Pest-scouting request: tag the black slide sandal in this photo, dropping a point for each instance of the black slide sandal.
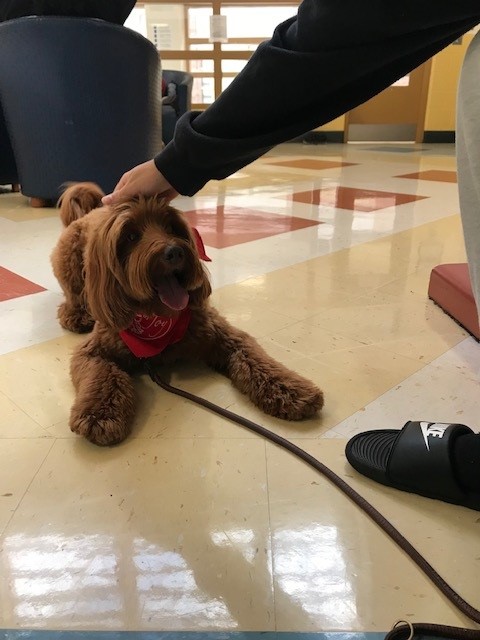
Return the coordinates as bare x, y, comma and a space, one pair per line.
416, 459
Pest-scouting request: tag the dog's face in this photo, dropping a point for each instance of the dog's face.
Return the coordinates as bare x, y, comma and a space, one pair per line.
142, 258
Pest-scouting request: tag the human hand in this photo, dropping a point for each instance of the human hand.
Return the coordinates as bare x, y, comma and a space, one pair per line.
144, 179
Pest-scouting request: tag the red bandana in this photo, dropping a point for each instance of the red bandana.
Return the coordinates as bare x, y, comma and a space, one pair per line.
200, 245
148, 336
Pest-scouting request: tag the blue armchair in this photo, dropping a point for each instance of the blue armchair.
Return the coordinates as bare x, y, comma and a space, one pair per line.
81, 99
183, 102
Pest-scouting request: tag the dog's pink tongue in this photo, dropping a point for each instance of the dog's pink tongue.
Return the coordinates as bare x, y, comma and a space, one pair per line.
172, 294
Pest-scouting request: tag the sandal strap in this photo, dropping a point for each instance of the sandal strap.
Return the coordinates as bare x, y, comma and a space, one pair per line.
421, 458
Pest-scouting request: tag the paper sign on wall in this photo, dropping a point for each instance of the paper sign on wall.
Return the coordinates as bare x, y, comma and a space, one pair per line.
162, 36
218, 29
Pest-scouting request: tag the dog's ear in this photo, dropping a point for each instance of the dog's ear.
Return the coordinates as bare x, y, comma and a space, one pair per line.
199, 296
77, 200
203, 290
107, 301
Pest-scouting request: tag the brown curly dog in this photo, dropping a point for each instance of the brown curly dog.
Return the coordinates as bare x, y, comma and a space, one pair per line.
133, 273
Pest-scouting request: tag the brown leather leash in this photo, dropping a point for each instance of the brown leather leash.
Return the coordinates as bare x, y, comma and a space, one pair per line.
402, 630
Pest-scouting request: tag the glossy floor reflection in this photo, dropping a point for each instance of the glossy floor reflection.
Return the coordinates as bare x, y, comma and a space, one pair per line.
354, 199
194, 524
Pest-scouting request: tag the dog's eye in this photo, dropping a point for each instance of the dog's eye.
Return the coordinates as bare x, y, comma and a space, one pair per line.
133, 236
168, 228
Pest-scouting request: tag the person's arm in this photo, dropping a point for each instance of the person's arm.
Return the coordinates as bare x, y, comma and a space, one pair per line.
330, 58
115, 11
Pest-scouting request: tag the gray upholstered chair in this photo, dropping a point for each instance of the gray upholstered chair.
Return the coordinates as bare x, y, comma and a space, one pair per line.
183, 101
82, 101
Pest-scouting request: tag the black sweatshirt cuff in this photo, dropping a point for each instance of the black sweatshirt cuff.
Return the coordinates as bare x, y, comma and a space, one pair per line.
177, 161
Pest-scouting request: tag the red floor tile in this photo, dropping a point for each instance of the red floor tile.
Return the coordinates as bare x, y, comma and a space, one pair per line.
313, 164
228, 226
354, 199
435, 175
14, 286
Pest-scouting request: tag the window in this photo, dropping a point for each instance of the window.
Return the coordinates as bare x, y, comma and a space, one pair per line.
181, 33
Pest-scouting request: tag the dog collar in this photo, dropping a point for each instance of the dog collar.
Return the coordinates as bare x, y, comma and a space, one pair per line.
148, 336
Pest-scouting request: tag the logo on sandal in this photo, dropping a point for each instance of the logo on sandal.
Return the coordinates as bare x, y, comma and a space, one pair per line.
433, 429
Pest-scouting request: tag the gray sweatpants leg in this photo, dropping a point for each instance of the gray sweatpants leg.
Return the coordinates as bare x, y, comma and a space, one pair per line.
468, 159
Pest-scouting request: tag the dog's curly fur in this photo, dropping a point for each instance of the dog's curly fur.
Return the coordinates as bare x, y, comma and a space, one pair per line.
107, 261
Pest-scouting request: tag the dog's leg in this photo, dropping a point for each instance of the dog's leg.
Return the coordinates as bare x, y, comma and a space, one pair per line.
271, 386
105, 403
73, 315
67, 262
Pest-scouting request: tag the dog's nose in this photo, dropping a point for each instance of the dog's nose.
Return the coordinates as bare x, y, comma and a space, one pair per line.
173, 255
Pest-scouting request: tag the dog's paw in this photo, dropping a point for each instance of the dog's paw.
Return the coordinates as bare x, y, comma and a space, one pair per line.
100, 429
295, 400
76, 319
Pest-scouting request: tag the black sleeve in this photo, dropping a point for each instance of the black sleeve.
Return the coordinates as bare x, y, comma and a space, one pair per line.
115, 11
331, 57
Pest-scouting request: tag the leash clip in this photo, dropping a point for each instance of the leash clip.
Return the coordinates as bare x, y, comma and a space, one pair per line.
408, 624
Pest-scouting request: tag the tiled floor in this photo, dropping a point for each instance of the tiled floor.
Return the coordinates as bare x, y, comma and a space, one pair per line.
434, 174
194, 524
353, 198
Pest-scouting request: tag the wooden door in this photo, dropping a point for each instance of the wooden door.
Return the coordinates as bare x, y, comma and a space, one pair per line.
396, 114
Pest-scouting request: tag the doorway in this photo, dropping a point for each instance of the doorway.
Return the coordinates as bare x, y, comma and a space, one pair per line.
397, 114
